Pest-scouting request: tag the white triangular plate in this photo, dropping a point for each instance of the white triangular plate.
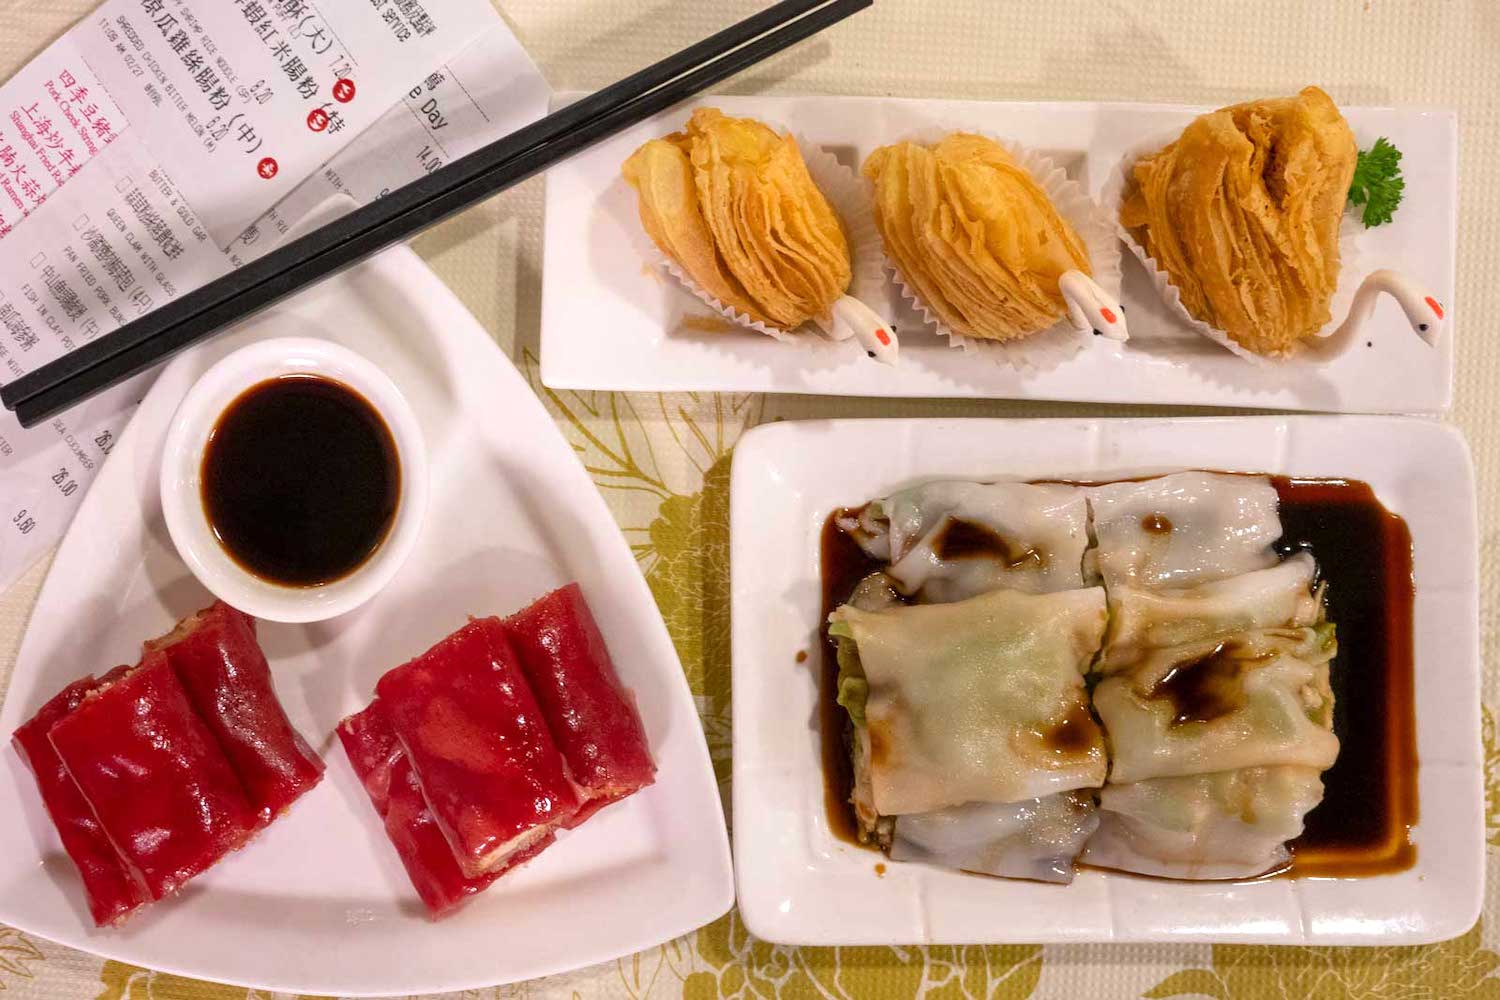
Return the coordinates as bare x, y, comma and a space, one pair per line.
319, 902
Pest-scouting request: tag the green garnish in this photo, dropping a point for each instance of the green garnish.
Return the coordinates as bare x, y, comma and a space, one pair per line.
853, 689
853, 693
1377, 183
1327, 635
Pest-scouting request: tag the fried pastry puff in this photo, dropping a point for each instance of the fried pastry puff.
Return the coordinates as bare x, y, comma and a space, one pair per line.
732, 203
974, 235
1242, 213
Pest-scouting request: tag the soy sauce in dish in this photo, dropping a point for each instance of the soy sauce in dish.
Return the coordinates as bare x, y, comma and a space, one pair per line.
844, 564
300, 480
960, 539
1363, 825
1364, 555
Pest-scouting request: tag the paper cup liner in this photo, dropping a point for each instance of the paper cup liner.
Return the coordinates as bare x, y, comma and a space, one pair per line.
1351, 266
1059, 342
846, 193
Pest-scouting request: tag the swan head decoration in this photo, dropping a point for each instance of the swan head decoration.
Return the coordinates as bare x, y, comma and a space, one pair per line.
1427, 315
1090, 307
849, 317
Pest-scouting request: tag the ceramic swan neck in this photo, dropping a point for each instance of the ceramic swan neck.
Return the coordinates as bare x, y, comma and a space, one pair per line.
1090, 307
1423, 311
849, 317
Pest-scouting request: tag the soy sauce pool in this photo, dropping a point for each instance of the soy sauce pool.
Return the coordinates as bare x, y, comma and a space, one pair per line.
1363, 825
843, 564
300, 480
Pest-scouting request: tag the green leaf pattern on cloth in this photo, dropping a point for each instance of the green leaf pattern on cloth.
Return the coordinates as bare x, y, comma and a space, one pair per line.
1448, 971
18, 956
119, 981
743, 967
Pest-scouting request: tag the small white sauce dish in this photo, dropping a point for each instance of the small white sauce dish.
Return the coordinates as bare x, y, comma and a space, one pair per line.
181, 479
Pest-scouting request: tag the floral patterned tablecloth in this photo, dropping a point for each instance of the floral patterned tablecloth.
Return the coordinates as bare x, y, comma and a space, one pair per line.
662, 461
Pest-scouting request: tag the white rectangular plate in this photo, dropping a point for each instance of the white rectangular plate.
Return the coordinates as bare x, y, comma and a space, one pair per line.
800, 885
319, 902
612, 321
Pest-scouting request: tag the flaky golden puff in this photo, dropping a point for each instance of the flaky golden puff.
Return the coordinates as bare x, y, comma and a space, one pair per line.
974, 235
732, 203
1242, 212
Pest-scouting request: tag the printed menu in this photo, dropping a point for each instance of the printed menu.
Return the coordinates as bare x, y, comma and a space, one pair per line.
98, 224
56, 117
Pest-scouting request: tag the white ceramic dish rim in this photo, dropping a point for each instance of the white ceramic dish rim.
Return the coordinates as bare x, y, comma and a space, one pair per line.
792, 874
181, 478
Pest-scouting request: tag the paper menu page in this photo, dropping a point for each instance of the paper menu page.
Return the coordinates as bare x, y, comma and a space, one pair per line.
246, 98
490, 89
118, 242
55, 116
487, 91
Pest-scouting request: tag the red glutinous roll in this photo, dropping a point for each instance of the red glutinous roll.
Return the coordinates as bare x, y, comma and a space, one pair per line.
591, 716
383, 769
220, 664
482, 753
157, 781
115, 890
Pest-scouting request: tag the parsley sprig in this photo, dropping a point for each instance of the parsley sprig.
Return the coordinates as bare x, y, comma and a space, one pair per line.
1377, 184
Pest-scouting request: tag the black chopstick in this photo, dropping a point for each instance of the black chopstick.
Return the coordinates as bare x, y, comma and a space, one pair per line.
155, 337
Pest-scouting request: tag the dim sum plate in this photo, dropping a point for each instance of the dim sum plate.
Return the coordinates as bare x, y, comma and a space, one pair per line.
319, 903
799, 884
612, 320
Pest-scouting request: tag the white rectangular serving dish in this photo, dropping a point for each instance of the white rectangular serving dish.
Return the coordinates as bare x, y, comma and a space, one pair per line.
800, 885
611, 320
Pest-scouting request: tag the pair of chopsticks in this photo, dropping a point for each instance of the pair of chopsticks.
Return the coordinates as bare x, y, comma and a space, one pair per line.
408, 210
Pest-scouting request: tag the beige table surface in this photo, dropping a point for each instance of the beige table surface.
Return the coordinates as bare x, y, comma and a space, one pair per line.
674, 502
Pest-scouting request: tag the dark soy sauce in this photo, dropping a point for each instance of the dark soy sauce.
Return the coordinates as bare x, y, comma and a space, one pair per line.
1206, 688
1370, 794
300, 480
1074, 735
1157, 524
960, 539
844, 564
1364, 555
